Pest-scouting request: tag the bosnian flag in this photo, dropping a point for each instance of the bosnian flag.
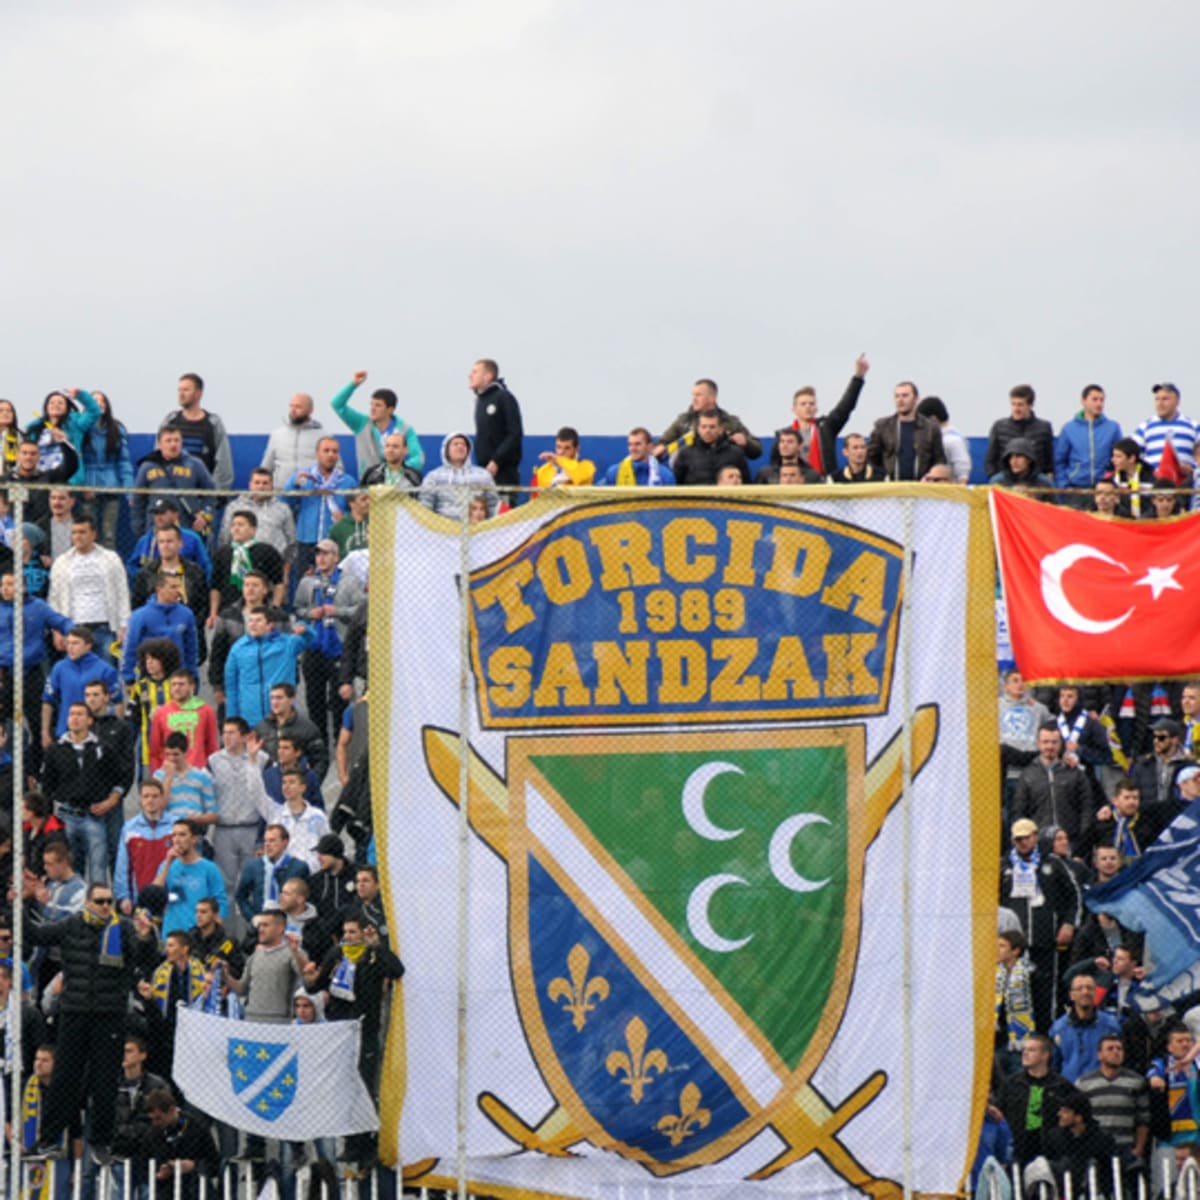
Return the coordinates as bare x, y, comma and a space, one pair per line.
294, 1082
1094, 600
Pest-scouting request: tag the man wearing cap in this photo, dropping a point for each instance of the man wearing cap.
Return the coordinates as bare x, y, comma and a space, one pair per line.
326, 599
165, 511
1042, 892
331, 889
1155, 773
1167, 424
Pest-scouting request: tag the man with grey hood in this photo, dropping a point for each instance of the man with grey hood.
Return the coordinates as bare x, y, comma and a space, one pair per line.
449, 489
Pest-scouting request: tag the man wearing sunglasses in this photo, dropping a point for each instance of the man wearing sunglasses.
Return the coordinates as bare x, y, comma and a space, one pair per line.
1155, 773
101, 952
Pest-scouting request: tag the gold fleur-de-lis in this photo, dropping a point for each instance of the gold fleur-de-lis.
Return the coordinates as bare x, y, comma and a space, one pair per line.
690, 1118
580, 994
637, 1064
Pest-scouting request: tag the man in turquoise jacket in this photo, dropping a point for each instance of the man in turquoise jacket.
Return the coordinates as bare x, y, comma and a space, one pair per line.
258, 660
371, 428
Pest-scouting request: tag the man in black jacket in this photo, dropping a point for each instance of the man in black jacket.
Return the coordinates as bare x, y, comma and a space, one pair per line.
83, 781
1020, 424
354, 974
132, 1121
115, 736
175, 1137
1049, 792
701, 461
100, 953
906, 445
1042, 892
818, 435
1029, 1098
498, 429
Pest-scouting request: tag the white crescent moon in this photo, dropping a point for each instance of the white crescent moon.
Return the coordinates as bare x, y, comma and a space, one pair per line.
697, 914
1054, 567
779, 855
693, 801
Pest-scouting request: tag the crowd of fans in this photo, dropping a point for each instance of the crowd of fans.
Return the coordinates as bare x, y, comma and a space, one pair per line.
197, 822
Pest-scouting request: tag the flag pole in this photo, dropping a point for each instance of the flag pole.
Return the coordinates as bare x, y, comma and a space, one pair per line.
462, 1111
906, 908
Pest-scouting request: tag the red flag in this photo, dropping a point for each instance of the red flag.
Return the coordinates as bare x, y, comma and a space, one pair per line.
1093, 600
1169, 466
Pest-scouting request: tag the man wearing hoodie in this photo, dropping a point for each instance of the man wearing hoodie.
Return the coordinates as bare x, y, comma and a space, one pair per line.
259, 659
1083, 450
293, 443
1021, 423
498, 428
370, 428
162, 617
1021, 469
449, 488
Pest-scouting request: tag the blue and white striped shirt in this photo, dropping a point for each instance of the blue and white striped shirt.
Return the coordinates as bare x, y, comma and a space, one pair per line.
1152, 435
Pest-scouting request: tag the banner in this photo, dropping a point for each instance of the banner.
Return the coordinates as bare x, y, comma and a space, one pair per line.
1090, 600
1158, 894
275, 1080
717, 937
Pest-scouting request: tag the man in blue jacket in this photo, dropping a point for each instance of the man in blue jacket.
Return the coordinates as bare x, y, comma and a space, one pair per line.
69, 676
163, 617
38, 617
318, 512
259, 659
1076, 1034
1083, 448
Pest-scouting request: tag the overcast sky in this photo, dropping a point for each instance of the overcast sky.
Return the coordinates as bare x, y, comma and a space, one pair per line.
609, 198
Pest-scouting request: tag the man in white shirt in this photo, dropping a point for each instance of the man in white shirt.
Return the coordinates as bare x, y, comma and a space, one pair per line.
88, 584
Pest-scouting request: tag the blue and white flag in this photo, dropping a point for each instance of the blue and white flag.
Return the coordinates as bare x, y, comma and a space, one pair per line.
294, 1082
1158, 894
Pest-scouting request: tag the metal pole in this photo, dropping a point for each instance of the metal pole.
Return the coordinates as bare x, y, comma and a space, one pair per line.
77, 1176
226, 1190
177, 1191
1068, 1187
1118, 1182
127, 1180
1016, 1173
462, 1104
153, 1169
906, 905
1093, 1181
18, 496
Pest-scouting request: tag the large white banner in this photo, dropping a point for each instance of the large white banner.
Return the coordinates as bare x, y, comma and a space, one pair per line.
720, 941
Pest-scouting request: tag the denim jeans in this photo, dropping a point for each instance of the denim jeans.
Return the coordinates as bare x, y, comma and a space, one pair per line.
88, 839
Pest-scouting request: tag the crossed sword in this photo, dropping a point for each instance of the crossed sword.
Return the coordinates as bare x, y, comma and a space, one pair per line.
807, 1123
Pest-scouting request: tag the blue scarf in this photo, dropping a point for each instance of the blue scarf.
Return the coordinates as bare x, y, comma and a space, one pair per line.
1124, 840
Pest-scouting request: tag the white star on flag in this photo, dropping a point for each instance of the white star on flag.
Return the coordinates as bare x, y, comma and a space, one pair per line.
1159, 580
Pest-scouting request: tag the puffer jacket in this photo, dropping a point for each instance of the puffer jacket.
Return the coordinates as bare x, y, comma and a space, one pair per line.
90, 986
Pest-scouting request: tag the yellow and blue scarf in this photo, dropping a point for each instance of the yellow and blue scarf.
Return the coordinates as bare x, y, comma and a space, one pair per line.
160, 985
111, 951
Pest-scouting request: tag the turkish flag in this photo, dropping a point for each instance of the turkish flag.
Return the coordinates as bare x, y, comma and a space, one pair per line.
1096, 600
1169, 466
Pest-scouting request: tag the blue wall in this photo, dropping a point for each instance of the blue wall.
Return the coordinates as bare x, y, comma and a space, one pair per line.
248, 450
